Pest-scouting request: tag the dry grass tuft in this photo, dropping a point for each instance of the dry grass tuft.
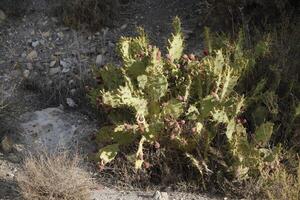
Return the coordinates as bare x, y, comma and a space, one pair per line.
282, 184
93, 13
285, 187
57, 177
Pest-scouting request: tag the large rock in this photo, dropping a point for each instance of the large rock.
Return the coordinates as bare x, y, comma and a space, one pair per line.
52, 129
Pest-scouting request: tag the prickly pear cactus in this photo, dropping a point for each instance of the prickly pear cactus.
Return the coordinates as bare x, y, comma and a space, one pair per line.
176, 101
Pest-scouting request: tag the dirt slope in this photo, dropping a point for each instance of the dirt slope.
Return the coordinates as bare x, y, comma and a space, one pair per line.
42, 62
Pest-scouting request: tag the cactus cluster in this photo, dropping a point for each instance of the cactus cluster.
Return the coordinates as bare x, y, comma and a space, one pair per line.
178, 101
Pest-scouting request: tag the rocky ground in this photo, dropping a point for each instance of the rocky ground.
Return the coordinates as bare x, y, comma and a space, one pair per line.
44, 67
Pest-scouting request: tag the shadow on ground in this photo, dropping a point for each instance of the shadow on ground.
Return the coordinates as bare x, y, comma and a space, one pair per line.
9, 190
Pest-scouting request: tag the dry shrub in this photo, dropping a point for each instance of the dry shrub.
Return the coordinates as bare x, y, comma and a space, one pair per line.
162, 169
281, 184
45, 177
229, 15
92, 13
279, 181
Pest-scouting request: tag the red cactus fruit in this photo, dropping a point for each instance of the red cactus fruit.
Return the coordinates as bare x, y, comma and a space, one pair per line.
185, 57
194, 130
192, 57
169, 57
180, 98
156, 145
182, 122
205, 52
147, 165
158, 56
